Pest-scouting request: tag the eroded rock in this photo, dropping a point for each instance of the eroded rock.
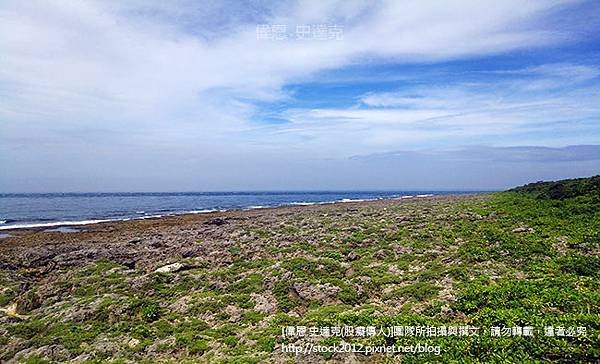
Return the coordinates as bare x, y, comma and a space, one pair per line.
326, 293
170, 268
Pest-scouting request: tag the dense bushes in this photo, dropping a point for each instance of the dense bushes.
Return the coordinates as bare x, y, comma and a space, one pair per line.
560, 190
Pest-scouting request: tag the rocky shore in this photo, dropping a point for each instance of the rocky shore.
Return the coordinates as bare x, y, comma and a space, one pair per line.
219, 287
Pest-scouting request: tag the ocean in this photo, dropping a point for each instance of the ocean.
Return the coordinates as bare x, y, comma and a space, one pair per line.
65, 209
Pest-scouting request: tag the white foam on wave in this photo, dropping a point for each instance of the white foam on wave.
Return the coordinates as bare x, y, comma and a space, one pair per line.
2, 222
144, 217
97, 221
206, 211
344, 200
303, 203
352, 200
426, 195
256, 207
56, 223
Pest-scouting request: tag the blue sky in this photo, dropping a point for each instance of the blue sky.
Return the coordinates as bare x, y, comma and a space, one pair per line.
185, 95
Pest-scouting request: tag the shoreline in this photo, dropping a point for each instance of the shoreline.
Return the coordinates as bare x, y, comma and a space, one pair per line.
42, 226
128, 242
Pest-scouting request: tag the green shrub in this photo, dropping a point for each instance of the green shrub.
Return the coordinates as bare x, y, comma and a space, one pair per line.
150, 311
419, 291
583, 265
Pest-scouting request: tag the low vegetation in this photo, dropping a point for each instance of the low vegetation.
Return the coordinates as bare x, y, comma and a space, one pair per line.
526, 257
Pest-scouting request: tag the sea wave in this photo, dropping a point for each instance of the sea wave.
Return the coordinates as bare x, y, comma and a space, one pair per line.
344, 200
205, 211
303, 203
55, 223
97, 221
256, 207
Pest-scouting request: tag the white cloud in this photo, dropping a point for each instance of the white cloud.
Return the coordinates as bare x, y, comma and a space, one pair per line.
80, 59
460, 112
88, 75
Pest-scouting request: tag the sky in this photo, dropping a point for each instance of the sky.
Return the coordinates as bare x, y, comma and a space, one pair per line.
148, 95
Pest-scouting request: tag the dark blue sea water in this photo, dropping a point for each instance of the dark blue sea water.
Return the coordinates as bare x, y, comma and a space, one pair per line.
58, 209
